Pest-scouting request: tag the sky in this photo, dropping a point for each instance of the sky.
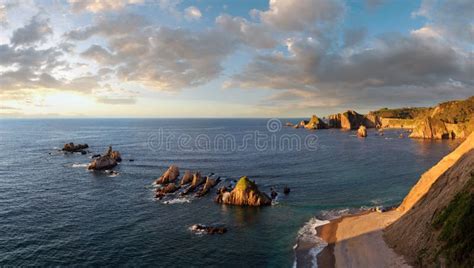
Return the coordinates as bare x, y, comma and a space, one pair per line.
248, 58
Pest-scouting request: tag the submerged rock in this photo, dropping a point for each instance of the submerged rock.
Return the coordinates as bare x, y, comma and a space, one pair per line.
208, 229
109, 160
170, 175
362, 132
73, 148
273, 194
245, 193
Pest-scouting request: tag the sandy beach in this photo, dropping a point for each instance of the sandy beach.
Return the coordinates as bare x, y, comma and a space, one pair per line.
357, 241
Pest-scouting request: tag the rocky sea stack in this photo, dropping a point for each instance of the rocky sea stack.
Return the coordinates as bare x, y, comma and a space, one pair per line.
170, 175
362, 132
245, 193
109, 160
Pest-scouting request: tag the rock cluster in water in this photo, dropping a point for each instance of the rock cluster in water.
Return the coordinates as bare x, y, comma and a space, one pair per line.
448, 120
189, 183
242, 193
245, 193
107, 161
75, 148
199, 228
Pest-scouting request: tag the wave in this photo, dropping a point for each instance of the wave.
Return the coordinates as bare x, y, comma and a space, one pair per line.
309, 241
80, 165
337, 213
178, 200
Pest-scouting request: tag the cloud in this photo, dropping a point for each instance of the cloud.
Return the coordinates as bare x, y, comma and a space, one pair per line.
301, 15
120, 25
119, 96
3, 15
112, 100
354, 36
192, 13
451, 19
96, 6
161, 58
395, 68
252, 34
37, 30
171, 59
98, 54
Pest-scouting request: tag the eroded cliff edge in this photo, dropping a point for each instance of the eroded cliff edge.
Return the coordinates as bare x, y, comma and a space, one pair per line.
438, 214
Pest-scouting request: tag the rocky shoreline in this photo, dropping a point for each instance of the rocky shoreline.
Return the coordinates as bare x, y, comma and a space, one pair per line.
448, 120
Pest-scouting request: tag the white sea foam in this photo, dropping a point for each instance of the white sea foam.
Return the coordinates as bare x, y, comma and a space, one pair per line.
334, 214
308, 235
79, 165
179, 200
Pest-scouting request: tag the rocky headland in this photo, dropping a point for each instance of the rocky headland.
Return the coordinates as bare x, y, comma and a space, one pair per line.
447, 120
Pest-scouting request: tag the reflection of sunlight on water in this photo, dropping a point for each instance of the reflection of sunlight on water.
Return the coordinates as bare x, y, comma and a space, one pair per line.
424, 147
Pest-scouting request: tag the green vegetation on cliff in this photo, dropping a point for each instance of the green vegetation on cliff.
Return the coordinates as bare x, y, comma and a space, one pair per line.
455, 111
456, 225
402, 113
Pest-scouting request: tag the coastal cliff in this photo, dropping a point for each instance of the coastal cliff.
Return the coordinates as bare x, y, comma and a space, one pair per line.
432, 226
437, 215
447, 120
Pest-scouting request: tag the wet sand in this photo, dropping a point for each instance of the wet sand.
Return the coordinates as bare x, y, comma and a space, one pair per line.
357, 241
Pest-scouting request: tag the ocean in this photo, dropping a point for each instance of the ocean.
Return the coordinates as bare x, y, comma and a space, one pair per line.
55, 212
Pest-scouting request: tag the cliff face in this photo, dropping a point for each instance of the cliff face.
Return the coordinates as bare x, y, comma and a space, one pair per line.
351, 120
448, 120
418, 233
315, 123
397, 123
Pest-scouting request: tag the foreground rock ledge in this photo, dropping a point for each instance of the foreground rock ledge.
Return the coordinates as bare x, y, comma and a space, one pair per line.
245, 193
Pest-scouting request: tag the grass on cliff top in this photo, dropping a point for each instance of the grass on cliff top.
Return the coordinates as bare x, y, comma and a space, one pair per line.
456, 111
244, 183
402, 113
456, 223
449, 112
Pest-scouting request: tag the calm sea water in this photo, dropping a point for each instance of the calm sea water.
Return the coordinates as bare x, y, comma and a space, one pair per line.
55, 212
